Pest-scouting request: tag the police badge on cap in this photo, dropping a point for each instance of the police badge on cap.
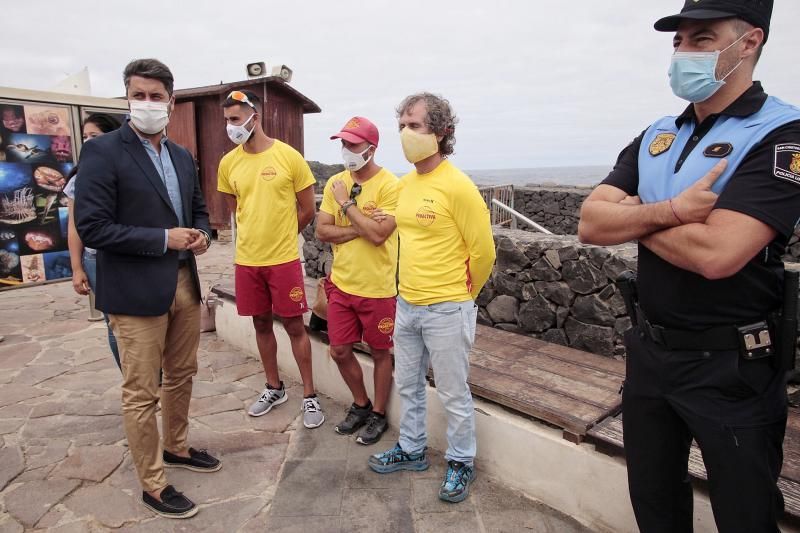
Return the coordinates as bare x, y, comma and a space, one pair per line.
756, 12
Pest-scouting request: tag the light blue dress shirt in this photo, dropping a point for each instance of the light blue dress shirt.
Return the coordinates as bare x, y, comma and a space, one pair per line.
169, 176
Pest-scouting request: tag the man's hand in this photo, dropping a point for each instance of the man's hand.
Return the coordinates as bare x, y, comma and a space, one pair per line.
200, 244
378, 215
80, 282
695, 203
182, 238
340, 193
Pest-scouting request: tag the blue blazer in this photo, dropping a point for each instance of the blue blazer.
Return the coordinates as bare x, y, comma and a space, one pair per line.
122, 209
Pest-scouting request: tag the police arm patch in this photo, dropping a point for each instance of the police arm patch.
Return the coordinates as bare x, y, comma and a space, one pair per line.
661, 143
787, 162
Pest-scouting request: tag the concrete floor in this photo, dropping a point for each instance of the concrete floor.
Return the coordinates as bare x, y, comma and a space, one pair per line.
65, 466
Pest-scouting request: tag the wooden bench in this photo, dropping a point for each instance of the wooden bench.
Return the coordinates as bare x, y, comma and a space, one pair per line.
568, 388
608, 437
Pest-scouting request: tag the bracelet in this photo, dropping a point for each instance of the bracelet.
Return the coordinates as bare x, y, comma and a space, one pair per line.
680, 222
347, 204
207, 237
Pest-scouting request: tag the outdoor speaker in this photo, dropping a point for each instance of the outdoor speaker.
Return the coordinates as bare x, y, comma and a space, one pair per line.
256, 70
282, 72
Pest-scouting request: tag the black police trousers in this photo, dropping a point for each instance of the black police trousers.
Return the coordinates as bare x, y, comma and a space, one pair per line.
735, 409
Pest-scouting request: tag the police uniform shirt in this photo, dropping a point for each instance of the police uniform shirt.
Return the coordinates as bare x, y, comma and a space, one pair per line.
765, 185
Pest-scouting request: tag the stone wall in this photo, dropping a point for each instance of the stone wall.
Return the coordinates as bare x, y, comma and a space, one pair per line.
793, 250
317, 254
555, 208
558, 210
559, 290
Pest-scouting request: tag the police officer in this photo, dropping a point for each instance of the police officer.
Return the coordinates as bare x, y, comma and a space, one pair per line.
712, 196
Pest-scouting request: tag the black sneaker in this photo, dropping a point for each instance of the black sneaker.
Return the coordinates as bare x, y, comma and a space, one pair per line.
376, 426
199, 461
356, 417
173, 504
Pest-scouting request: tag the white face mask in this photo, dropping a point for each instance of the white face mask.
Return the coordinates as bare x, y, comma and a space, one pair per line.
239, 134
354, 161
149, 117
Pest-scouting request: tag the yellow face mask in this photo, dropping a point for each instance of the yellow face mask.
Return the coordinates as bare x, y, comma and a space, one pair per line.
418, 146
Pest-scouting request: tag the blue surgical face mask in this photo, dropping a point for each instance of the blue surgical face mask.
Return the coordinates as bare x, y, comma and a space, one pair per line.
693, 75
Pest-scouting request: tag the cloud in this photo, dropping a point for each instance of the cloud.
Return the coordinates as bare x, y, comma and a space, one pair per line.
534, 83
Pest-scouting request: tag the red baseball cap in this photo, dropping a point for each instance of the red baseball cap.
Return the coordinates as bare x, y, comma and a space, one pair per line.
358, 130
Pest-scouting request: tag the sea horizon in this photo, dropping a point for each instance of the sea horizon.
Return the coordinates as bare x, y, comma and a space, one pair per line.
566, 176
571, 176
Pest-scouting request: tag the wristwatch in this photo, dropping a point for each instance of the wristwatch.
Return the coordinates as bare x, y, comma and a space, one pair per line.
207, 236
347, 204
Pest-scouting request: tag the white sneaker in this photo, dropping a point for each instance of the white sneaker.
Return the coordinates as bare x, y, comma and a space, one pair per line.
312, 413
268, 399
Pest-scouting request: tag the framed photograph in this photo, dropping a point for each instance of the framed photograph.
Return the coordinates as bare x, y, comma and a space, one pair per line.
10, 267
16, 195
47, 120
25, 148
33, 268
12, 119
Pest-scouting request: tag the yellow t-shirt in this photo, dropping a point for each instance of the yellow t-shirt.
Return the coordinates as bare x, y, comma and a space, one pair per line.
447, 248
359, 267
265, 186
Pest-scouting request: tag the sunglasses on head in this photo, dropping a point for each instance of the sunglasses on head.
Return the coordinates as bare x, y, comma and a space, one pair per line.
239, 96
355, 191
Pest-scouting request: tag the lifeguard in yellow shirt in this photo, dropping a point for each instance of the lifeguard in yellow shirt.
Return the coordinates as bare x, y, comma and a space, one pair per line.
362, 286
446, 256
270, 188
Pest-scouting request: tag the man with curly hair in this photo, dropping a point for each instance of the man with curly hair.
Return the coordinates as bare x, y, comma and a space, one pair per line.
446, 257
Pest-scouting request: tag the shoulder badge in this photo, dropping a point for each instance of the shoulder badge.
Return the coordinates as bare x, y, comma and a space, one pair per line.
718, 150
787, 162
661, 143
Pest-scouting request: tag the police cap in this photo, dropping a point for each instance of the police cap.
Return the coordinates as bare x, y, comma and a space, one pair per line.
756, 12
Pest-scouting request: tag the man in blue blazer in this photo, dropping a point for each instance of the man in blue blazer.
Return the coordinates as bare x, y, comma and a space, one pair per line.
138, 202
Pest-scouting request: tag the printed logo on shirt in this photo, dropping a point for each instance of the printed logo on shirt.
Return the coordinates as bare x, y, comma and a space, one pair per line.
718, 150
426, 216
386, 325
296, 294
661, 143
268, 173
369, 208
787, 162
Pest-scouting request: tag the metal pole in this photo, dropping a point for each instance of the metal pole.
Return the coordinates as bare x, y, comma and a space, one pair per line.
520, 216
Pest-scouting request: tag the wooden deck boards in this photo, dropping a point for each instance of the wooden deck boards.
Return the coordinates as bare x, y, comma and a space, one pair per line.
567, 388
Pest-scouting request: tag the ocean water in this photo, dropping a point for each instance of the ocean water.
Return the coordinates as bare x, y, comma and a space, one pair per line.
586, 176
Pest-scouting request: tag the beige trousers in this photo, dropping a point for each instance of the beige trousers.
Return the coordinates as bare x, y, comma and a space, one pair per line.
146, 345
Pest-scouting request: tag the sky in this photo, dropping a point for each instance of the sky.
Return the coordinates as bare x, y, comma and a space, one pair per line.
534, 83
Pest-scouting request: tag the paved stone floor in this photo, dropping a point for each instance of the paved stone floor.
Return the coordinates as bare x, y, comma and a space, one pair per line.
65, 467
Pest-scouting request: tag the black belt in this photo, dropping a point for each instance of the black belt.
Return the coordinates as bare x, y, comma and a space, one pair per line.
183, 263
718, 338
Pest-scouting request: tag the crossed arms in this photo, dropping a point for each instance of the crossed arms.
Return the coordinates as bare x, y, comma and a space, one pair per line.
690, 233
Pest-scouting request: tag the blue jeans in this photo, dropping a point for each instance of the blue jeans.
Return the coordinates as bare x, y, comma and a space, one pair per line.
90, 267
440, 335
